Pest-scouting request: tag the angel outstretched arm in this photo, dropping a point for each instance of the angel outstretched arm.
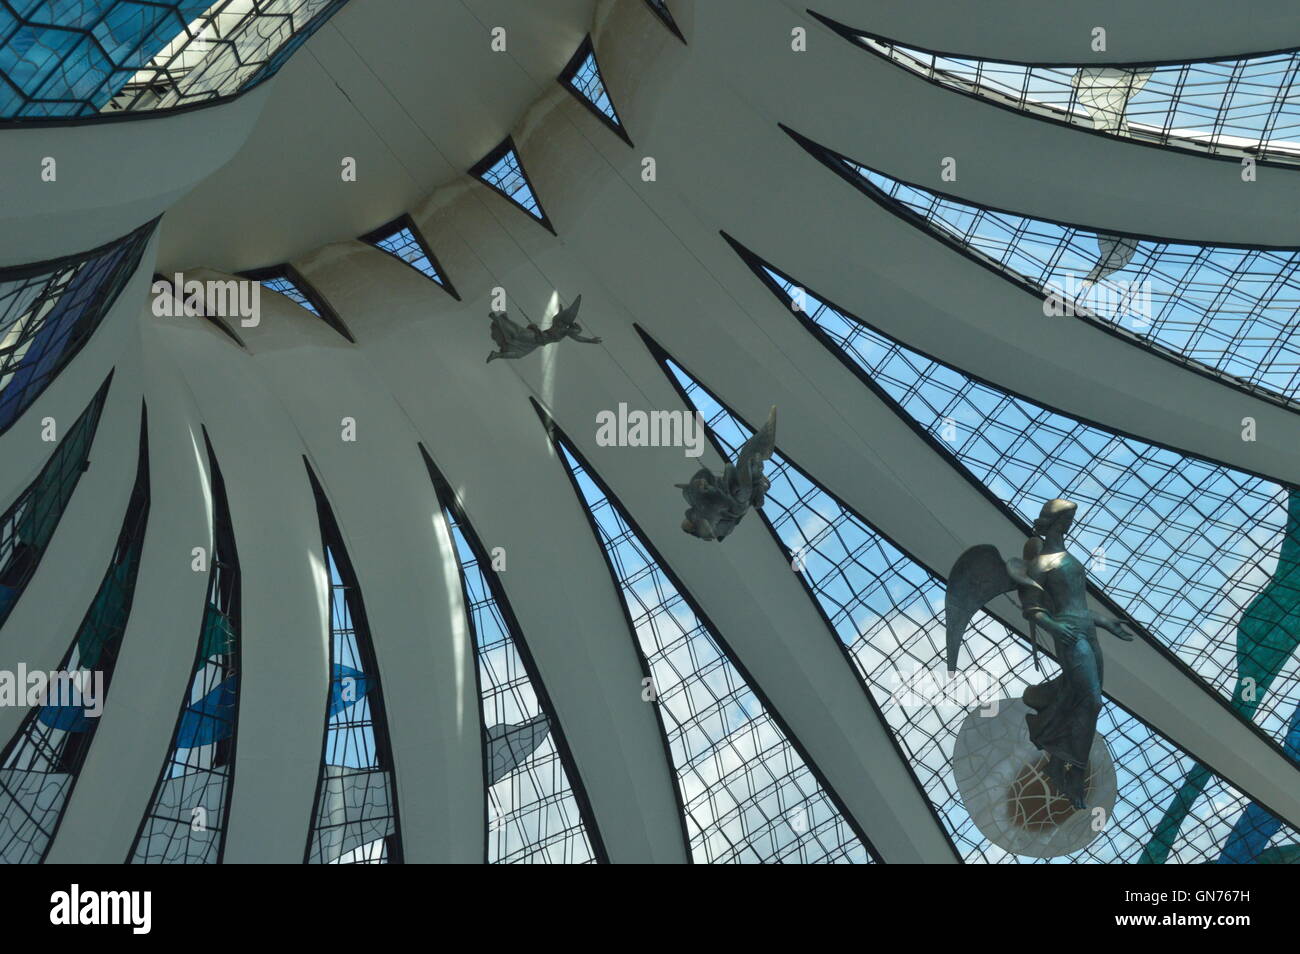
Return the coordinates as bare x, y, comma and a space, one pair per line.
1113, 626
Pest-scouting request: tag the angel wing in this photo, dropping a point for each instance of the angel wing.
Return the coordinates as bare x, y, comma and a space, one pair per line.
752, 453
978, 575
567, 318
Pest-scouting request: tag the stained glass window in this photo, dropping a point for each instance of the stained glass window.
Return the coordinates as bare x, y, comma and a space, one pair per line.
40, 765
28, 525
186, 820
582, 78
48, 311
1231, 106
287, 281
661, 10
1226, 311
78, 58
354, 820
401, 239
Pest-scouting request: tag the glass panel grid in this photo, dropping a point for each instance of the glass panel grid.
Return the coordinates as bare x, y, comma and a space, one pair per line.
507, 176
887, 610
748, 796
403, 244
1232, 310
286, 287
1202, 556
1243, 106
48, 312
78, 58
586, 81
356, 811
186, 819
40, 765
28, 525
533, 814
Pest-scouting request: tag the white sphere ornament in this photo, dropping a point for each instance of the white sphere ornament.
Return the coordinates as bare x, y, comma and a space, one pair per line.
1002, 778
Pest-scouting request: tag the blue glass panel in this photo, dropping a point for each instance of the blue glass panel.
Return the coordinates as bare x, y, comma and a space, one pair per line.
28, 525
1228, 310
1182, 544
40, 765
187, 816
747, 793
47, 312
887, 610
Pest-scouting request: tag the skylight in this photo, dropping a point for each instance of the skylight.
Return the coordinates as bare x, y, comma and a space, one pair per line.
886, 609
1229, 312
582, 78
503, 170
1203, 556
535, 815
403, 241
1233, 106
747, 793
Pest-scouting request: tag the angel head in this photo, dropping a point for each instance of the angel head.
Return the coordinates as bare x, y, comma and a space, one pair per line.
1056, 514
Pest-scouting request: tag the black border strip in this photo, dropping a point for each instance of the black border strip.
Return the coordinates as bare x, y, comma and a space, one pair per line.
665, 16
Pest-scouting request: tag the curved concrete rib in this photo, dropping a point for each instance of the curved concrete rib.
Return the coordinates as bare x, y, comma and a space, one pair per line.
284, 629
789, 208
110, 177
1030, 32
701, 301
45, 620
892, 120
157, 656
387, 514
429, 351
773, 628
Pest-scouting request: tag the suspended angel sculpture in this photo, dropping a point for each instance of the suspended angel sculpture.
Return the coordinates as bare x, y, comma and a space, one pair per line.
1053, 591
717, 504
515, 342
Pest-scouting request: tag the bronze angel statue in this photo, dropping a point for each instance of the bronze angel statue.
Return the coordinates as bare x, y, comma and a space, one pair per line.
515, 342
1053, 590
717, 504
